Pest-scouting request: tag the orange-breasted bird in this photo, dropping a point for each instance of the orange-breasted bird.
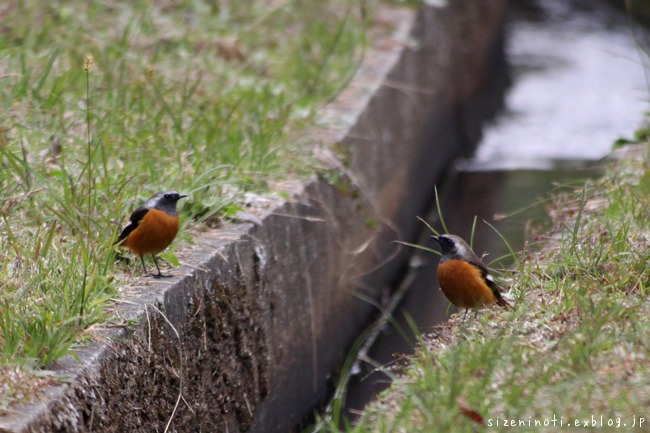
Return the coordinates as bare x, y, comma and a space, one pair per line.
152, 227
463, 277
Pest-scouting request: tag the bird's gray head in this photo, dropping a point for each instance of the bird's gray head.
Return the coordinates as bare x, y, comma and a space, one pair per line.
165, 201
454, 247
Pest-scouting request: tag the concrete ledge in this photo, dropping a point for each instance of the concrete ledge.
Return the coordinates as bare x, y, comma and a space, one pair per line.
252, 336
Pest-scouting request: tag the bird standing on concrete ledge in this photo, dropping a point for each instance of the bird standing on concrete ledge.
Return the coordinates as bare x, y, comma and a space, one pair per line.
463, 277
152, 227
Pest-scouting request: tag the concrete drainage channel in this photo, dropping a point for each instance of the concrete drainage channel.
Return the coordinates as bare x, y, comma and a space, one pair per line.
250, 338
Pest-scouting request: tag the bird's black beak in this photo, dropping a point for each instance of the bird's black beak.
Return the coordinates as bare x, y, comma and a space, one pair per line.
180, 196
436, 238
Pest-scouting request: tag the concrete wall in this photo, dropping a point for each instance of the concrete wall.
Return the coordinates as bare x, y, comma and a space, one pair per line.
252, 334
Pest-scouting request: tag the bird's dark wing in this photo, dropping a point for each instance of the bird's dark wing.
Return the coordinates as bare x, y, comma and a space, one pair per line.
484, 270
134, 219
138, 214
496, 291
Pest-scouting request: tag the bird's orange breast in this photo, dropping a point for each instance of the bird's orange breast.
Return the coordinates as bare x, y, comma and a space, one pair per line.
154, 233
463, 284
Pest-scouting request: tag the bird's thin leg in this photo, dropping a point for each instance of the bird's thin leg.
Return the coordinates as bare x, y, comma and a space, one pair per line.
144, 268
159, 274
465, 315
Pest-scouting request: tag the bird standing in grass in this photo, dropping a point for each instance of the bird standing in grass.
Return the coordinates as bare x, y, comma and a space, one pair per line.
463, 277
152, 227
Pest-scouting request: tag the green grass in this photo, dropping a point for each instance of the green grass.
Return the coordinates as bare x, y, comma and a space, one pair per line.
577, 346
187, 95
